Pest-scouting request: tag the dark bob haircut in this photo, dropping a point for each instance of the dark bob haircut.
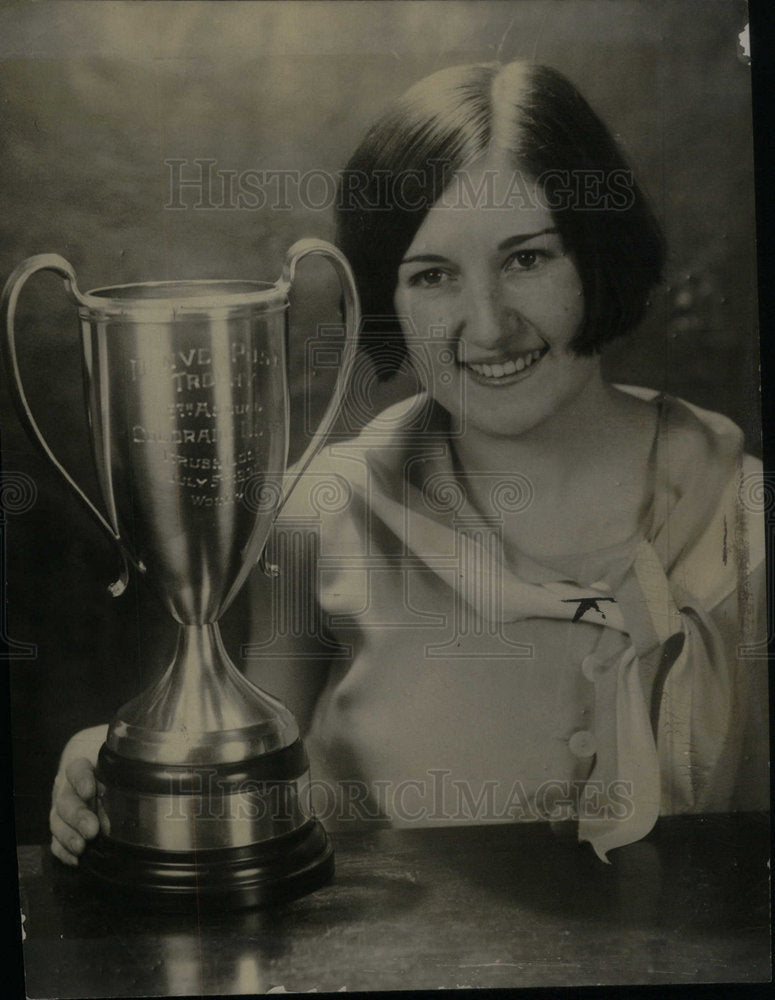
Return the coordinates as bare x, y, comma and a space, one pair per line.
451, 119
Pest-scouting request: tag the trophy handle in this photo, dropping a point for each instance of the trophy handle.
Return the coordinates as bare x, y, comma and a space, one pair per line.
352, 319
11, 291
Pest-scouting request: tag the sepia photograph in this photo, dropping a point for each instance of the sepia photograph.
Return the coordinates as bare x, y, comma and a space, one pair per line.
383, 519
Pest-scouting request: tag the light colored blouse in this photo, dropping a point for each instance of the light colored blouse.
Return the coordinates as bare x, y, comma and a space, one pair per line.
455, 683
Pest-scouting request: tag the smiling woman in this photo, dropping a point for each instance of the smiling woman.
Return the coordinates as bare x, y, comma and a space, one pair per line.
524, 592
548, 154
506, 295
511, 302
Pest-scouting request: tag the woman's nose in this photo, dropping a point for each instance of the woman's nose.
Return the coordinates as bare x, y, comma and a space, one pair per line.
487, 320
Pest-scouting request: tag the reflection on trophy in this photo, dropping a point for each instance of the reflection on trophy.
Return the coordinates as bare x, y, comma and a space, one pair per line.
205, 775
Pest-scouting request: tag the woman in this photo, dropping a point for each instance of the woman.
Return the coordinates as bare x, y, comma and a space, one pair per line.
528, 588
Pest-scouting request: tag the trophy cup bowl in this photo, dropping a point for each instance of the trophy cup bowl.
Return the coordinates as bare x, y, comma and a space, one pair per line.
205, 777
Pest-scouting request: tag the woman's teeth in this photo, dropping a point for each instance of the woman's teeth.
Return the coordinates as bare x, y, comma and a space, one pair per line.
507, 367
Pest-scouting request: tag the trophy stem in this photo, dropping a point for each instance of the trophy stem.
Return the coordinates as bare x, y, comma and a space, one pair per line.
201, 710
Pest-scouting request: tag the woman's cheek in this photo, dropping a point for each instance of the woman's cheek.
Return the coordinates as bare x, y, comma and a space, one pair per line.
432, 317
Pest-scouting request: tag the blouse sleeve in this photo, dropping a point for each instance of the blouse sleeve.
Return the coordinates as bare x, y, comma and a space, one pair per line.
287, 653
751, 792
714, 717
290, 649
741, 621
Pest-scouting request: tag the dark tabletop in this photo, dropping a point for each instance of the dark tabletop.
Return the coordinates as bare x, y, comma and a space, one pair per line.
479, 906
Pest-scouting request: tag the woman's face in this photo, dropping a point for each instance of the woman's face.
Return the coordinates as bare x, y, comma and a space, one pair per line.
489, 303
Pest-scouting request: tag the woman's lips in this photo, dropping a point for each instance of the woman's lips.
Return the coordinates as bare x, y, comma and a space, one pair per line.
507, 371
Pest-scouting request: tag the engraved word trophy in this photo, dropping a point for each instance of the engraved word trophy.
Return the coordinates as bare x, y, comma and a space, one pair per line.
187, 397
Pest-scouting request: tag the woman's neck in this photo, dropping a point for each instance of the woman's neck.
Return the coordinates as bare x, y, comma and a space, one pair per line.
596, 419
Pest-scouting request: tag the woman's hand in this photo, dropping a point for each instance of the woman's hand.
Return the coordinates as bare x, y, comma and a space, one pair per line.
76, 812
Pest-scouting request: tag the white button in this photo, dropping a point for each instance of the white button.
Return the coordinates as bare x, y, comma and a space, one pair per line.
582, 743
592, 666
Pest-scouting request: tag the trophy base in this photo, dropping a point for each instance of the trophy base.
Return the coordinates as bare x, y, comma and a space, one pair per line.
274, 871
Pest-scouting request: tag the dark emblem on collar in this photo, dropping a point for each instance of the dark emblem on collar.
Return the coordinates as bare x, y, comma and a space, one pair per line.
586, 604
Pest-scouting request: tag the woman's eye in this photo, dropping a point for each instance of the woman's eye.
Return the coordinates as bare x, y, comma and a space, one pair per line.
525, 260
429, 279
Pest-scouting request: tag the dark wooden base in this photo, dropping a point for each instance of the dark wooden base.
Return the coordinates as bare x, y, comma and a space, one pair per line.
273, 871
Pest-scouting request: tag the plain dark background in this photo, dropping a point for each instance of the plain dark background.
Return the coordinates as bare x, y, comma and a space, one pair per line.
97, 96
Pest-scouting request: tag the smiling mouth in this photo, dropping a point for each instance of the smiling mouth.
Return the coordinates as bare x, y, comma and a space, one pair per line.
508, 370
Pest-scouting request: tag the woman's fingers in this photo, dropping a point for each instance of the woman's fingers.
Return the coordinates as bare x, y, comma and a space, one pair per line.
68, 839
62, 854
72, 820
80, 774
73, 811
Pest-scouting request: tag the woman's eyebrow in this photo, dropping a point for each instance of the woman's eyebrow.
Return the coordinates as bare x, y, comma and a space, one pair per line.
515, 241
507, 244
424, 258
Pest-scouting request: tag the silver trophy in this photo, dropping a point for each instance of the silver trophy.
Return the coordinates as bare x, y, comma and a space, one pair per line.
188, 404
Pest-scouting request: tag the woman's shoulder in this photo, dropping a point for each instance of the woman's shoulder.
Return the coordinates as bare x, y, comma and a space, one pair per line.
353, 465
383, 441
691, 437
706, 490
